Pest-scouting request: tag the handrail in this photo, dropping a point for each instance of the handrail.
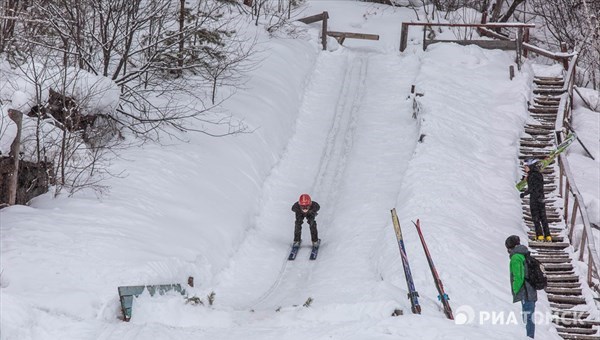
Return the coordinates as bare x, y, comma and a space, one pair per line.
587, 236
405, 26
566, 101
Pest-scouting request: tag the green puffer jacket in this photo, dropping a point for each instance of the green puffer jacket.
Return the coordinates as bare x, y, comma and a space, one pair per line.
521, 289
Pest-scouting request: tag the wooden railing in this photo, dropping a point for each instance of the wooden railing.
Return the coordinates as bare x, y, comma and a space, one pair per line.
339, 36
568, 189
489, 28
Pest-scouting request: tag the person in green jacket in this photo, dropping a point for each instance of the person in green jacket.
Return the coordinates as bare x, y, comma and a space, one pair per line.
521, 289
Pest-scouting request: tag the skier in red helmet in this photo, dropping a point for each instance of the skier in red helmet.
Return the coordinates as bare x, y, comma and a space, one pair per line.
306, 208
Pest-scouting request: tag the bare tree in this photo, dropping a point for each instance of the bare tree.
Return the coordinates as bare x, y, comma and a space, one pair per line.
151, 53
574, 23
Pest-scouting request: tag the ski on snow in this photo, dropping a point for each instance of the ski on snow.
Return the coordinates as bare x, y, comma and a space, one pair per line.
294, 251
412, 292
551, 156
443, 297
313, 252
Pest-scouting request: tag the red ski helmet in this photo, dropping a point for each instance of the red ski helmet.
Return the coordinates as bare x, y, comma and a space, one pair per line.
304, 200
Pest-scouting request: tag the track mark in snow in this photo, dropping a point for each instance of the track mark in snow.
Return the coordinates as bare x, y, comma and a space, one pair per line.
341, 134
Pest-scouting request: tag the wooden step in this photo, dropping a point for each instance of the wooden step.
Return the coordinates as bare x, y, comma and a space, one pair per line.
554, 227
549, 200
567, 336
537, 132
548, 251
571, 314
563, 291
536, 144
552, 81
547, 97
550, 216
546, 260
559, 77
569, 322
544, 118
546, 102
555, 238
548, 245
547, 127
553, 254
550, 219
561, 305
553, 106
575, 330
556, 267
574, 300
549, 90
564, 284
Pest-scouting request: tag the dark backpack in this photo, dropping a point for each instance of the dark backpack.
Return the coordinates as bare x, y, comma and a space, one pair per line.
534, 275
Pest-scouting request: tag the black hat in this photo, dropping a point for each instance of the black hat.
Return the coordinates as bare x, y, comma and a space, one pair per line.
512, 241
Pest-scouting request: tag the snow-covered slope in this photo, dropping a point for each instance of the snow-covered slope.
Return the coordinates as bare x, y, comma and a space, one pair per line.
336, 124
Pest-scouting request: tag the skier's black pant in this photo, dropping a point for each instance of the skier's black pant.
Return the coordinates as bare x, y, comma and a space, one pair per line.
538, 214
313, 228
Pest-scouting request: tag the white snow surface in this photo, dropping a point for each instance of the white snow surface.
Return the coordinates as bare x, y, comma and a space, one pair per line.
335, 124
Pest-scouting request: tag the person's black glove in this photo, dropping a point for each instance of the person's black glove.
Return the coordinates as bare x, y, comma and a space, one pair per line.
522, 195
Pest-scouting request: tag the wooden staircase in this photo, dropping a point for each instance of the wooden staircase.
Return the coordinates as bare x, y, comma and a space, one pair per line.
564, 291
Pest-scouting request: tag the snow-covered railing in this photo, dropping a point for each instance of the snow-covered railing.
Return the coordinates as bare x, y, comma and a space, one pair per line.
487, 27
587, 246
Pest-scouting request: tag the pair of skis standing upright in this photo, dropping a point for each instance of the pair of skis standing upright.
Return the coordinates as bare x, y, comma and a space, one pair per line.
443, 297
413, 296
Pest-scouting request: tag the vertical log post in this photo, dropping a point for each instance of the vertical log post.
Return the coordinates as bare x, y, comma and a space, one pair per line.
573, 218
519, 47
566, 207
563, 48
561, 170
582, 246
526, 40
324, 30
590, 269
15, 148
403, 36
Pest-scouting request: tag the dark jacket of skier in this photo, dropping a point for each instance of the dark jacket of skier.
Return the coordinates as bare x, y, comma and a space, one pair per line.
520, 288
311, 211
537, 204
535, 186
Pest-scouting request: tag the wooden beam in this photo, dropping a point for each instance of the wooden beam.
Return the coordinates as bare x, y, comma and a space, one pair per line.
313, 18
324, 31
403, 36
487, 44
492, 25
353, 35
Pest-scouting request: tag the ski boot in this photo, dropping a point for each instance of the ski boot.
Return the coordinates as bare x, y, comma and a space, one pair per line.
548, 238
540, 238
296, 243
